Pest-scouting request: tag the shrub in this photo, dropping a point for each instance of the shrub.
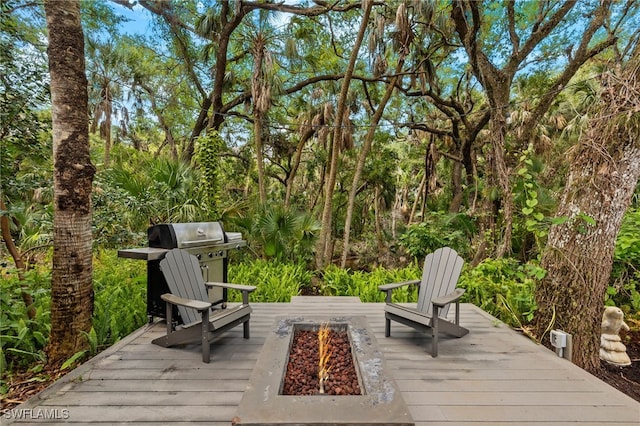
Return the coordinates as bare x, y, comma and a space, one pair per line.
504, 288
281, 234
439, 230
22, 340
343, 282
275, 281
624, 290
119, 309
120, 288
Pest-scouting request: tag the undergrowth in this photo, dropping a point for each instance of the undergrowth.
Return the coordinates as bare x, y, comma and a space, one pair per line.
503, 287
120, 308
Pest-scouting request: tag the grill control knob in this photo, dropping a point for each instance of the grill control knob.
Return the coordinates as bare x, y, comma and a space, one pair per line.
210, 254
220, 253
198, 256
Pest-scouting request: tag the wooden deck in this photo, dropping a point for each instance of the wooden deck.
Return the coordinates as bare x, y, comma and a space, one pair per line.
492, 376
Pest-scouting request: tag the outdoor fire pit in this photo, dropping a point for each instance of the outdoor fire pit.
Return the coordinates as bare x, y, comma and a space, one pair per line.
368, 395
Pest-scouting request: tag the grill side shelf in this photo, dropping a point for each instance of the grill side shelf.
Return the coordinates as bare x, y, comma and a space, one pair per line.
143, 253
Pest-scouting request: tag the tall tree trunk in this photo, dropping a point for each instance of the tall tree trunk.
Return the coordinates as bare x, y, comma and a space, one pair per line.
498, 135
604, 172
106, 131
308, 132
378, 219
366, 148
324, 253
257, 134
456, 187
261, 95
418, 199
71, 278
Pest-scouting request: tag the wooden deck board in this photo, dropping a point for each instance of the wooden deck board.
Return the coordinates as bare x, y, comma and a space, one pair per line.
492, 376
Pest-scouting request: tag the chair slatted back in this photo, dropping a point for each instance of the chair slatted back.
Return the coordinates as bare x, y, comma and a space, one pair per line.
440, 275
182, 272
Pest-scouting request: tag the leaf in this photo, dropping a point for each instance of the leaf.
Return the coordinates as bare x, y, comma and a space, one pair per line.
75, 357
559, 220
527, 211
588, 219
532, 202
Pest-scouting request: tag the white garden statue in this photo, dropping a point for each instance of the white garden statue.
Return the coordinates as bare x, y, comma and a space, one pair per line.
612, 350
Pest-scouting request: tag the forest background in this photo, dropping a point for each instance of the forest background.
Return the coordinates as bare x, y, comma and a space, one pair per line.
345, 141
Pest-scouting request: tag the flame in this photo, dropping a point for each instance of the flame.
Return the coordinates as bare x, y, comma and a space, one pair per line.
324, 352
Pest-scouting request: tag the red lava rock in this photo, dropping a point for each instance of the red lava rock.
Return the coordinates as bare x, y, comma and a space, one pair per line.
301, 377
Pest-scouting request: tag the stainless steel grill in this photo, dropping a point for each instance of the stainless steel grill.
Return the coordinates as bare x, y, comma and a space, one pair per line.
206, 240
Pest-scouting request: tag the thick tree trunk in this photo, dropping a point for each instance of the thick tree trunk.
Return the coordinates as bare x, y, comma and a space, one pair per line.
71, 279
498, 135
605, 170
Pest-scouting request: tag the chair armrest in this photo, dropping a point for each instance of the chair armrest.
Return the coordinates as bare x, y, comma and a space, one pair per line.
448, 298
241, 287
195, 304
387, 287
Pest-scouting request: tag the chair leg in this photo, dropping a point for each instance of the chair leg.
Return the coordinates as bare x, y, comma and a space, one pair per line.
387, 327
245, 329
205, 336
434, 332
169, 317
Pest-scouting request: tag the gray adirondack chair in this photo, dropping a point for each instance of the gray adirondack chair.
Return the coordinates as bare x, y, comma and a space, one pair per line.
437, 291
189, 293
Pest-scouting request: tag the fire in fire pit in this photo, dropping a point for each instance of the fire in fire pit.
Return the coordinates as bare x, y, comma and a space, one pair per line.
324, 343
321, 362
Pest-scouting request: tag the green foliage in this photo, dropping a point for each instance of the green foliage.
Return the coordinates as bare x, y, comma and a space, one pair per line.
140, 190
276, 281
120, 288
504, 288
343, 282
531, 200
280, 234
209, 150
120, 308
624, 289
22, 340
439, 229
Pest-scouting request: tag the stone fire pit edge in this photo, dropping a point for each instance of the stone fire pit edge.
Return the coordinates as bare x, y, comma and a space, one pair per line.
380, 404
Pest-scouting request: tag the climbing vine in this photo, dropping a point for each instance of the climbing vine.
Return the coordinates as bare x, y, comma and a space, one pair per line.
209, 148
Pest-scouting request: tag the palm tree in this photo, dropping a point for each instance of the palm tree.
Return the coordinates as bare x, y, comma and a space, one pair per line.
71, 278
103, 74
261, 96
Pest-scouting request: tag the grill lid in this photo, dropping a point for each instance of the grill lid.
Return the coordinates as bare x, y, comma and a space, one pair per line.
185, 235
